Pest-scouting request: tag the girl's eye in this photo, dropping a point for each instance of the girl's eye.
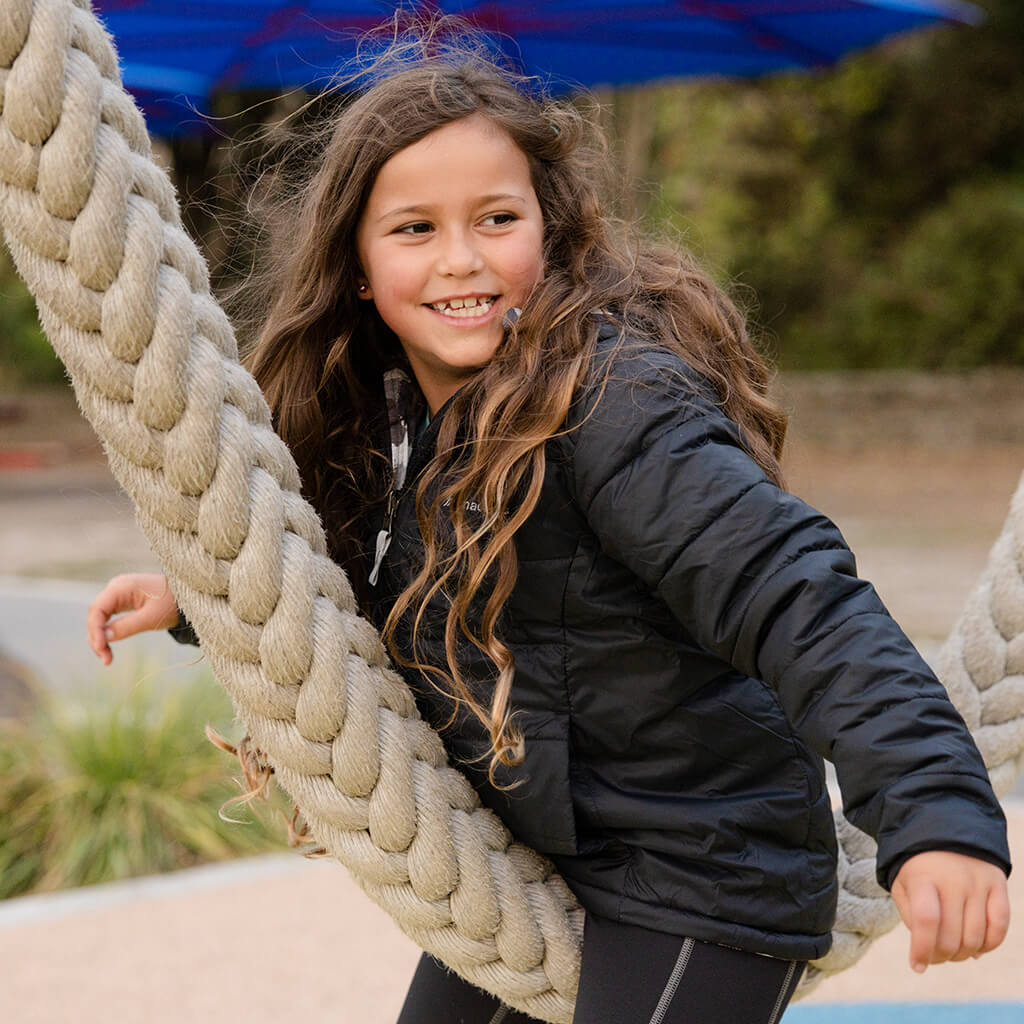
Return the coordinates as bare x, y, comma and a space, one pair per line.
499, 219
420, 228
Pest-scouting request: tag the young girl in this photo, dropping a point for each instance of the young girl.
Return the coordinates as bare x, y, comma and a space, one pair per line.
546, 458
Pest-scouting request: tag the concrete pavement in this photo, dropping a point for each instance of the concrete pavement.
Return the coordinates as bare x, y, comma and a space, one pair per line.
280, 938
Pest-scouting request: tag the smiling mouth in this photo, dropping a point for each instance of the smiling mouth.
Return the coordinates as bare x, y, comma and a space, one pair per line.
467, 308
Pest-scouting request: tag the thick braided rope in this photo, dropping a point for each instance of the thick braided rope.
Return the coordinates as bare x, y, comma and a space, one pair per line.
123, 294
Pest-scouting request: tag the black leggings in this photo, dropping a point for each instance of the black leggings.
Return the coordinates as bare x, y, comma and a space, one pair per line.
629, 975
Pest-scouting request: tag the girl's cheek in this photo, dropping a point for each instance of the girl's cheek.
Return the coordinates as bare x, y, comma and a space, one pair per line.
528, 268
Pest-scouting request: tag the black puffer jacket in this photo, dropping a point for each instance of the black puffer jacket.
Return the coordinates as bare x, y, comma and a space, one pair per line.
690, 642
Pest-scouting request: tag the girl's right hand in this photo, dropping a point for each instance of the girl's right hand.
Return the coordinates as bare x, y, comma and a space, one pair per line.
146, 598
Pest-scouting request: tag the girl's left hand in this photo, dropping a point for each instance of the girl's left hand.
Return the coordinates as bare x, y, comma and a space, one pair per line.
955, 906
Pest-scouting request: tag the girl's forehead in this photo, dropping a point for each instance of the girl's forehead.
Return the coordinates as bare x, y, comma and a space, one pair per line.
460, 157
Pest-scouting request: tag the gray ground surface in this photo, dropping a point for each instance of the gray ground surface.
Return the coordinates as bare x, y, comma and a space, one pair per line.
917, 473
279, 940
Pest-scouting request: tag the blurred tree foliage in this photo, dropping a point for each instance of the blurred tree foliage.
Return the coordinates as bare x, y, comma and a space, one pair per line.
25, 356
875, 211
870, 215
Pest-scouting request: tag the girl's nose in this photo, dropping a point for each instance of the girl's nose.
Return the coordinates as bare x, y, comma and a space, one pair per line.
458, 256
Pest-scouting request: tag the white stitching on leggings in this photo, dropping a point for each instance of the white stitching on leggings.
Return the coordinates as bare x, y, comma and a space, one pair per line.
499, 1015
782, 993
673, 982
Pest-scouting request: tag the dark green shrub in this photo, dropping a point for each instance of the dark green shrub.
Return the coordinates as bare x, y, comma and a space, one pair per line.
122, 784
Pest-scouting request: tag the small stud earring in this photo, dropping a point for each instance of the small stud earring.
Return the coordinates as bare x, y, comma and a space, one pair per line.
362, 289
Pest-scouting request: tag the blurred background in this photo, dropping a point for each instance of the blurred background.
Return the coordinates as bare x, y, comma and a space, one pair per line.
865, 204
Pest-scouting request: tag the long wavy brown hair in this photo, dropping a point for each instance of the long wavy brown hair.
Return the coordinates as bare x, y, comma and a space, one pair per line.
321, 352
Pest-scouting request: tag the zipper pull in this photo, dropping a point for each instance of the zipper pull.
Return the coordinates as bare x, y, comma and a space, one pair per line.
383, 537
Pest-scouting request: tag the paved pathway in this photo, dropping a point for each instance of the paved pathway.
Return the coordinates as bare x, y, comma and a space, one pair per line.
279, 939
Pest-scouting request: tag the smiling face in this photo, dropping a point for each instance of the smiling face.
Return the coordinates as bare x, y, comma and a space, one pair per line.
451, 238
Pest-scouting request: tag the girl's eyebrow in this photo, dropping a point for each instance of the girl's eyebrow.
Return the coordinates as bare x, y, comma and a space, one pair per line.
423, 208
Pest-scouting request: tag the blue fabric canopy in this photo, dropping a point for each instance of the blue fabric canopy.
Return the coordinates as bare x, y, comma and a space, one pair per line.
175, 54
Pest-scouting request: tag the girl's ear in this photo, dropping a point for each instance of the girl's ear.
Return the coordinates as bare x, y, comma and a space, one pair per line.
364, 290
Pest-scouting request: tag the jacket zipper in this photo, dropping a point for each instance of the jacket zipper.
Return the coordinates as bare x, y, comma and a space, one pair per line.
419, 456
384, 536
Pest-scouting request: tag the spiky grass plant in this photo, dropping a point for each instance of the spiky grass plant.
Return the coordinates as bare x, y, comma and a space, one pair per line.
121, 783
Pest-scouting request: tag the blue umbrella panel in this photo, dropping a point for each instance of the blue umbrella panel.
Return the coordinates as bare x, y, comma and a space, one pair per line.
176, 55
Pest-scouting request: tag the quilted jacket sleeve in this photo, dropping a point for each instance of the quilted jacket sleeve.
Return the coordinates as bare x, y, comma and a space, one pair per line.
183, 632
768, 584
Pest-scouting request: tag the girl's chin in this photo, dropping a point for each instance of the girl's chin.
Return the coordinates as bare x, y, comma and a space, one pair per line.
469, 363
466, 362
471, 348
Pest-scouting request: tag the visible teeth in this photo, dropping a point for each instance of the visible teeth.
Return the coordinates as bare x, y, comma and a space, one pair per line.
467, 307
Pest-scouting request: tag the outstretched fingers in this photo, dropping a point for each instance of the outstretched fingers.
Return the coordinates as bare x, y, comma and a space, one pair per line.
107, 603
955, 906
921, 909
997, 914
972, 943
128, 604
